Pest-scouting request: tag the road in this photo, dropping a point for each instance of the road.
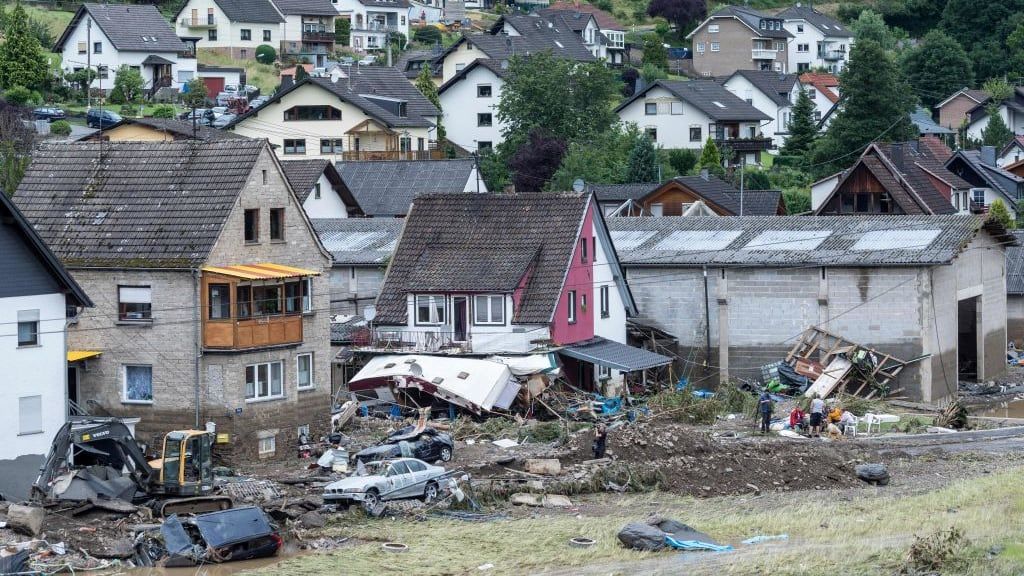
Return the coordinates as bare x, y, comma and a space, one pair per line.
996, 441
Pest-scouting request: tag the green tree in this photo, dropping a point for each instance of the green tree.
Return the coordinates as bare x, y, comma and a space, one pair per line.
682, 160
643, 161
21, 96
796, 200
602, 158
16, 142
871, 26
60, 128
1015, 42
22, 62
428, 35
425, 84
81, 79
998, 89
342, 31
996, 132
997, 211
127, 86
655, 52
163, 111
650, 73
803, 129
711, 159
983, 28
937, 67
915, 16
300, 73
265, 54
194, 96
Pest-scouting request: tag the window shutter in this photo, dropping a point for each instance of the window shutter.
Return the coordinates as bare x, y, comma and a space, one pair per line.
134, 295
28, 315
30, 414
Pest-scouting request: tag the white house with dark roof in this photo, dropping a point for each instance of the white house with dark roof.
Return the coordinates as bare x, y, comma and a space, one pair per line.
773, 93
320, 189
988, 181
107, 36
469, 101
386, 189
370, 21
308, 30
819, 41
234, 27
613, 32
684, 114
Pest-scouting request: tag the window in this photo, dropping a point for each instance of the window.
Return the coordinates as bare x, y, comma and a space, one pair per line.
267, 445
430, 309
885, 203
28, 328
817, 115
802, 47
713, 29
185, 76
30, 415
701, 47
571, 314
676, 108
312, 113
211, 34
484, 145
267, 300
593, 251
763, 25
295, 146
803, 66
695, 134
277, 223
483, 91
138, 384
264, 176
266, 35
304, 371
246, 34
604, 372
460, 66
97, 47
780, 46
604, 301
715, 46
264, 380
134, 304
243, 301
252, 225
978, 196
799, 27
651, 108
307, 295
316, 191
330, 146
82, 48
484, 119
405, 143
583, 250
651, 133
489, 309
220, 301
296, 296
863, 203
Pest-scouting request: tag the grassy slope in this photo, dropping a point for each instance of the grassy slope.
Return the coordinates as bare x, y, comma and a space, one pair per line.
265, 76
55, 20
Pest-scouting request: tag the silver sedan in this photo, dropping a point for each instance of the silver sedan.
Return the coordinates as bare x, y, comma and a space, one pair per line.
384, 480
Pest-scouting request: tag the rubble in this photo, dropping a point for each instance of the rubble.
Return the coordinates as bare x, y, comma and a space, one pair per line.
546, 466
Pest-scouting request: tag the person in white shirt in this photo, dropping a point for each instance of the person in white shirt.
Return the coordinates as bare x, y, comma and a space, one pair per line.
817, 415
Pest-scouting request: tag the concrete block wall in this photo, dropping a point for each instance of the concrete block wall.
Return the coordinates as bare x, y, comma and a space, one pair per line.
1015, 319
345, 300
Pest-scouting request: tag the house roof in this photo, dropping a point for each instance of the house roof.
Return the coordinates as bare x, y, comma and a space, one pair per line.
359, 241
135, 204
774, 85
256, 11
304, 174
1015, 102
605, 21
614, 355
772, 241
129, 27
10, 215
306, 7
365, 85
180, 128
708, 96
576, 19
498, 67
386, 3
536, 35
979, 96
622, 192
486, 242
1017, 142
750, 17
408, 57
996, 178
826, 24
922, 118
824, 83
1015, 265
387, 188
718, 192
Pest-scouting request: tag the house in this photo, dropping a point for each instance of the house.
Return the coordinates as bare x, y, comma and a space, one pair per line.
38, 299
387, 189
1015, 291
308, 30
582, 23
412, 62
819, 41
372, 114
215, 78
158, 129
511, 274
739, 38
361, 249
1011, 110
211, 287
469, 102
988, 181
1015, 168
823, 90
1012, 152
108, 36
676, 196
231, 27
773, 93
738, 291
684, 114
320, 189
613, 31
621, 199
922, 118
953, 111
897, 178
370, 21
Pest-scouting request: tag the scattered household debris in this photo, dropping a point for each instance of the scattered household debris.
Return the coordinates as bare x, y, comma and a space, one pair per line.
660, 533
760, 539
224, 536
877, 474
418, 441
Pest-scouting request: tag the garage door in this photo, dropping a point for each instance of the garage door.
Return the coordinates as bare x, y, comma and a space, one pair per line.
214, 85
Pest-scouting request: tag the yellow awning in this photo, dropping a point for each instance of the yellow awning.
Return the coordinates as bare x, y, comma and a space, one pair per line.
76, 355
265, 271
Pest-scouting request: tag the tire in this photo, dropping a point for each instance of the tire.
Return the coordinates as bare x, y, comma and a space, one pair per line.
430, 492
445, 454
371, 502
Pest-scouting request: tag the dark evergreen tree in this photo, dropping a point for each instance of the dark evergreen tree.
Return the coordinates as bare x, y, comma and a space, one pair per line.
643, 161
803, 129
937, 67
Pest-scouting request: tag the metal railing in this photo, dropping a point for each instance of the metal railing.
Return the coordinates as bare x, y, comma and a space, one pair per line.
413, 341
762, 54
207, 22
318, 36
832, 54
744, 144
75, 409
392, 155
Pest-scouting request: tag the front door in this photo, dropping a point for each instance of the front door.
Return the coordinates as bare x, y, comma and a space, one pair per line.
460, 309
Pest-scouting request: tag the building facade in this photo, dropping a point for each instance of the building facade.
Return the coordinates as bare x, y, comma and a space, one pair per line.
469, 101
231, 27
819, 41
740, 38
372, 21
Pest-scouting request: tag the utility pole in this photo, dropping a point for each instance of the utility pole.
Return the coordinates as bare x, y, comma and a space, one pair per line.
88, 64
743, 163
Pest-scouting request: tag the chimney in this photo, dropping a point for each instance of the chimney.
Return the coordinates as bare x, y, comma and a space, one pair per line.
896, 155
988, 155
704, 173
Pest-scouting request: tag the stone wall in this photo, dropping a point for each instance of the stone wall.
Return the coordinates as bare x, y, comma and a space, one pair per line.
350, 296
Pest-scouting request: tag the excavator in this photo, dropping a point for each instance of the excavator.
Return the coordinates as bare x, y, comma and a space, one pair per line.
97, 460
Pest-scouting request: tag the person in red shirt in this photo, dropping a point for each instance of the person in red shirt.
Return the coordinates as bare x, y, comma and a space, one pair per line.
797, 419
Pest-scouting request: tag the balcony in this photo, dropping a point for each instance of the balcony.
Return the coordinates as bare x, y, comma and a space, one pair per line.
374, 26
392, 155
260, 332
832, 55
318, 36
412, 341
762, 54
199, 23
745, 144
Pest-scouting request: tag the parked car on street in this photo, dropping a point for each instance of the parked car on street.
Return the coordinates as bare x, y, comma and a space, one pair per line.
384, 480
99, 118
204, 116
428, 445
48, 114
223, 120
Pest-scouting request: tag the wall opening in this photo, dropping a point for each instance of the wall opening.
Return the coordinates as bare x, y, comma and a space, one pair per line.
967, 338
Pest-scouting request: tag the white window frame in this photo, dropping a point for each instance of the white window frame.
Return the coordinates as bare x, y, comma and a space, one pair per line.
307, 295
256, 396
266, 445
647, 108
124, 384
298, 371
26, 428
134, 295
975, 193
715, 46
29, 317
676, 108
605, 300
701, 46
712, 28
571, 312
431, 301
486, 303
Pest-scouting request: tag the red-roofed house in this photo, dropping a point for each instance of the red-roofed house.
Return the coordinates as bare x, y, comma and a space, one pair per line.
823, 89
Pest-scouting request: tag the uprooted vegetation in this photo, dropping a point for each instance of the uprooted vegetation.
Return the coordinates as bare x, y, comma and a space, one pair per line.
689, 408
940, 553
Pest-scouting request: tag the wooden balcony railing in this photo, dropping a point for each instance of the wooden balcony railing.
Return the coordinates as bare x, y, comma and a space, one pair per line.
257, 332
392, 155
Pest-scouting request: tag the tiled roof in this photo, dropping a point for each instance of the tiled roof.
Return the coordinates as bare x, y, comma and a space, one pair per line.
575, 19
723, 194
256, 11
387, 188
925, 125
709, 97
1015, 266
774, 85
498, 67
135, 204
426, 57
303, 174
359, 241
622, 192
826, 24
605, 21
770, 241
751, 18
1006, 183
180, 128
306, 7
462, 237
536, 35
824, 83
130, 27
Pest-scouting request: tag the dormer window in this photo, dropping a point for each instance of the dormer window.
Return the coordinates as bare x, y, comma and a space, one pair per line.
763, 25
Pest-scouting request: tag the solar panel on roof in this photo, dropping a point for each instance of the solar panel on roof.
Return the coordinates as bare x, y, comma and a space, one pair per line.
630, 239
351, 241
896, 240
788, 240
683, 240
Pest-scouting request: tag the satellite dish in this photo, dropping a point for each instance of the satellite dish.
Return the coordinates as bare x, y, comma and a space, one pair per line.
578, 185
369, 313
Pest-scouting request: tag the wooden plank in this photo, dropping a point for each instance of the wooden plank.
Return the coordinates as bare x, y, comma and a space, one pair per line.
830, 378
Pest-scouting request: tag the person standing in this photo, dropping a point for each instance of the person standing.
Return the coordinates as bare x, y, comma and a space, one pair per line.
817, 415
600, 441
764, 404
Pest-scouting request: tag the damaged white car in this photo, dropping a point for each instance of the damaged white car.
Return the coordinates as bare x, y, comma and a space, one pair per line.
384, 480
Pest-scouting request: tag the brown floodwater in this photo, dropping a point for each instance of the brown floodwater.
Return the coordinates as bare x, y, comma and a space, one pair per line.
289, 551
1009, 409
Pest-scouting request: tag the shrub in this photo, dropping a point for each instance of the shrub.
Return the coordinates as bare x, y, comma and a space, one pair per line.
21, 96
683, 160
60, 128
163, 111
265, 54
128, 111
427, 35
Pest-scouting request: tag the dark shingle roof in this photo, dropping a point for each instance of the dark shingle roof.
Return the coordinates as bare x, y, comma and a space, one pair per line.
135, 204
359, 241
386, 3
424, 57
303, 174
709, 97
1015, 266
256, 11
179, 128
826, 24
306, 7
724, 195
130, 27
922, 118
1006, 183
386, 188
604, 20
795, 240
536, 35
498, 67
575, 19
774, 85
457, 236
752, 18
622, 192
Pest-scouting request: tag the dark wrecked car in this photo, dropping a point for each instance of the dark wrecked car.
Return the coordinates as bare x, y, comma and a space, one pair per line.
428, 445
224, 536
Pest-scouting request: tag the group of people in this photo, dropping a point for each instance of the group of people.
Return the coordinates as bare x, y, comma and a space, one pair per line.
820, 418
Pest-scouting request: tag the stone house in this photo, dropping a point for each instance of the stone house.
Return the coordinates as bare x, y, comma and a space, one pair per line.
211, 287
738, 291
739, 38
953, 111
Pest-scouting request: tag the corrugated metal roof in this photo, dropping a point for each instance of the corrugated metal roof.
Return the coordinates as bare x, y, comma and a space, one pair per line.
615, 355
366, 241
896, 240
1015, 266
787, 240
698, 240
630, 239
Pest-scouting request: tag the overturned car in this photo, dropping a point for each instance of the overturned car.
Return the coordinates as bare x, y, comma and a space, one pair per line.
225, 536
427, 444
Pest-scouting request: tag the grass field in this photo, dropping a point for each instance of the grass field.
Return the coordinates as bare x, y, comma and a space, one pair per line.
265, 76
55, 20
